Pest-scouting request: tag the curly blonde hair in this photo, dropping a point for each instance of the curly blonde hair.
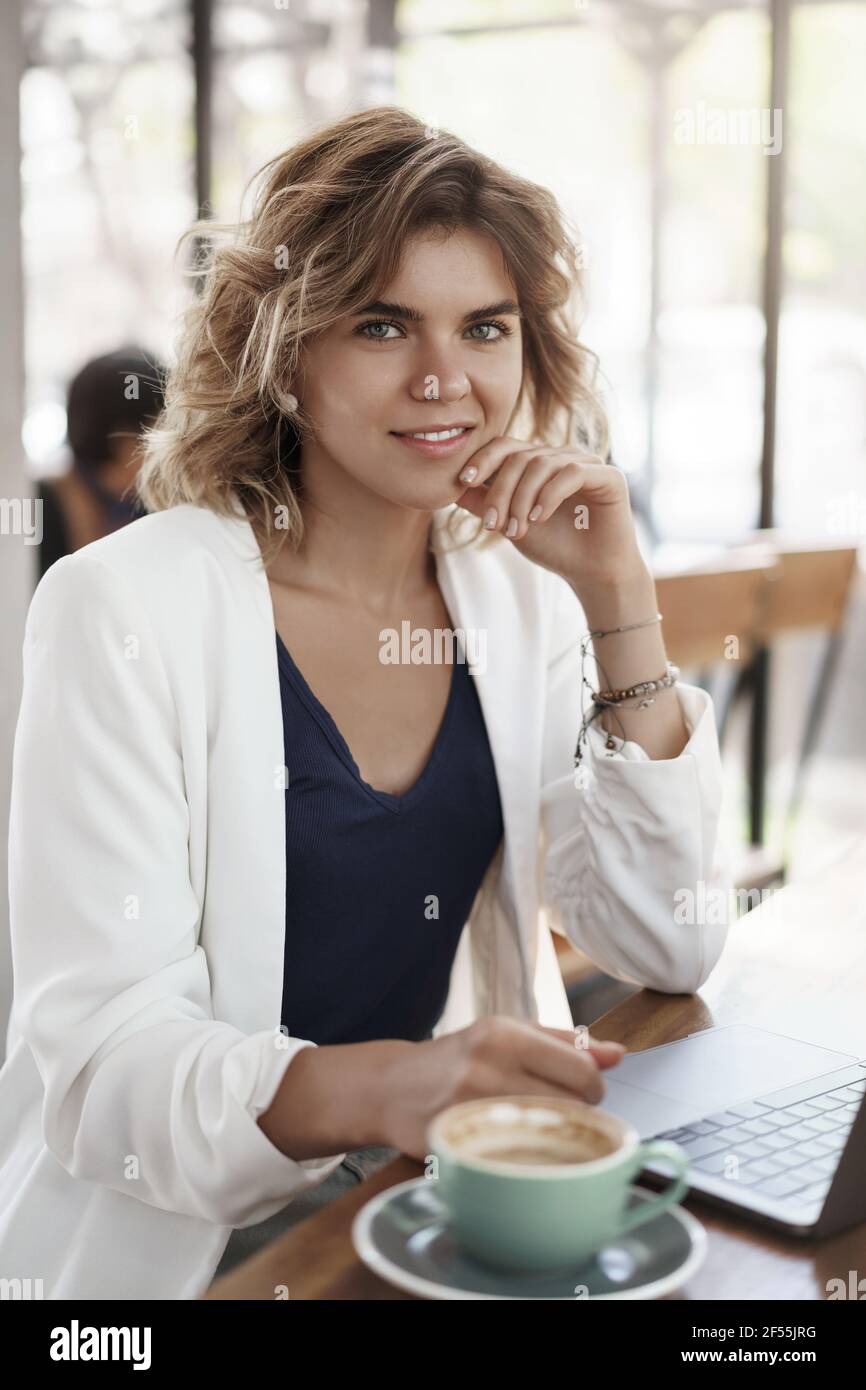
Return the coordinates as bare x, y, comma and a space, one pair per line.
328, 225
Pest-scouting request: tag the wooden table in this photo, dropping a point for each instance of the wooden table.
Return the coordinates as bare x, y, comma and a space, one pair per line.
794, 965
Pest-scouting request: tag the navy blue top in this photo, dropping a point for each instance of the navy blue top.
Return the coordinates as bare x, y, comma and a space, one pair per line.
366, 956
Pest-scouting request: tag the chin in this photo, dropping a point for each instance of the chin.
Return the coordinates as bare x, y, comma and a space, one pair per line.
427, 495
442, 497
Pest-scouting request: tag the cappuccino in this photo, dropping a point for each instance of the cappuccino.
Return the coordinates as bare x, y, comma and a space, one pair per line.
505, 1132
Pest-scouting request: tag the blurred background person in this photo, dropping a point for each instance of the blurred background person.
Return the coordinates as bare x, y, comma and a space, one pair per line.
111, 400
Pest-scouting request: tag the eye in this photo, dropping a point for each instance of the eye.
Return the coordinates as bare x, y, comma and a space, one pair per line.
502, 330
361, 330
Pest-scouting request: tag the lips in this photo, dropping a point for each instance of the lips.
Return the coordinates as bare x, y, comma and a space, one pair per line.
419, 430
442, 445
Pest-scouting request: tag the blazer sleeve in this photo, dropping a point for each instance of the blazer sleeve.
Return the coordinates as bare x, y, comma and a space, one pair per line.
630, 861
144, 1090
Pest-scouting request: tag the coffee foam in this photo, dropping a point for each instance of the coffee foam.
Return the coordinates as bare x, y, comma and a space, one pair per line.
508, 1132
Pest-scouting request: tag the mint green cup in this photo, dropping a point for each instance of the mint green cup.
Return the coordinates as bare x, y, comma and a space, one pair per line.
543, 1215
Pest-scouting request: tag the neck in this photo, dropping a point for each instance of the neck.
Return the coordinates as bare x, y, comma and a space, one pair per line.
357, 545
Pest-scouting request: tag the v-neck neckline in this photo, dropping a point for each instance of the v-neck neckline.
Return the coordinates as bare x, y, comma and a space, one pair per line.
396, 804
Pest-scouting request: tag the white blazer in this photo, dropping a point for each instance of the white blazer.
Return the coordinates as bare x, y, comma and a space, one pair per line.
147, 887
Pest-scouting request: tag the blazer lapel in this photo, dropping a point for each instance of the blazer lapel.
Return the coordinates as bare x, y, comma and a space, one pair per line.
247, 870
479, 597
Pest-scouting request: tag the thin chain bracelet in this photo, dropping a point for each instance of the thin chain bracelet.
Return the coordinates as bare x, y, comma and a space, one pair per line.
629, 627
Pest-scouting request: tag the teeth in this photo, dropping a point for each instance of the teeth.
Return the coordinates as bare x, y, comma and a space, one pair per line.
442, 434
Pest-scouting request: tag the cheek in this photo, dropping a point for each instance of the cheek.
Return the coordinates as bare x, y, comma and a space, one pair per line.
331, 402
350, 392
499, 375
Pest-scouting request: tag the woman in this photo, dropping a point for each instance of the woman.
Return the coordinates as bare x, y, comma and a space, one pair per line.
245, 842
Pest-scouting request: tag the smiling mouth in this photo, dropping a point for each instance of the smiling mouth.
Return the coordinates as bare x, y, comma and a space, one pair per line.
434, 436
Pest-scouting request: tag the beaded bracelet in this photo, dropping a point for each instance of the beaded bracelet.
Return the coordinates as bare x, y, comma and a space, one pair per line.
617, 697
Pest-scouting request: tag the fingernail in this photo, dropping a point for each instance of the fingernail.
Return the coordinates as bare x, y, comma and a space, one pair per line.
490, 518
468, 474
511, 528
535, 513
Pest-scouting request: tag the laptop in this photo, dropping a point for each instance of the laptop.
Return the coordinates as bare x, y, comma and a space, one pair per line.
774, 1127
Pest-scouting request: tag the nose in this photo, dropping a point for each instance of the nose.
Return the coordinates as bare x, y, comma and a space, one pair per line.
437, 376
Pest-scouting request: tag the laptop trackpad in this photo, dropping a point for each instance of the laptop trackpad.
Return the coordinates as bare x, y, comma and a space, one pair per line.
682, 1081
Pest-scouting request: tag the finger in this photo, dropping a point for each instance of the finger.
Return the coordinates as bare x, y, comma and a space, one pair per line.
606, 1053
474, 502
528, 1084
586, 1084
572, 1069
478, 503
539, 470
609, 1058
566, 483
485, 461
587, 478
567, 1034
497, 510
579, 1029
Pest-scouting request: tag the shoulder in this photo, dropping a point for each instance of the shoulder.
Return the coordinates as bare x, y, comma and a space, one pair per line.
150, 542
167, 567
154, 553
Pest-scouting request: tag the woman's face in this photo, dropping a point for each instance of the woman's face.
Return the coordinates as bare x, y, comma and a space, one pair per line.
440, 348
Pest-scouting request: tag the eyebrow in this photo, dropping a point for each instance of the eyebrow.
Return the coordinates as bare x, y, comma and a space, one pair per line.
405, 311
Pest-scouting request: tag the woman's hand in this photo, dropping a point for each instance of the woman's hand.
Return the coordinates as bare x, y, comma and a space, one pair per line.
584, 532
494, 1056
584, 529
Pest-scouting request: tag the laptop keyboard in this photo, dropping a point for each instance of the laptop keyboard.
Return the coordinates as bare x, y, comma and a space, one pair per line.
787, 1144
